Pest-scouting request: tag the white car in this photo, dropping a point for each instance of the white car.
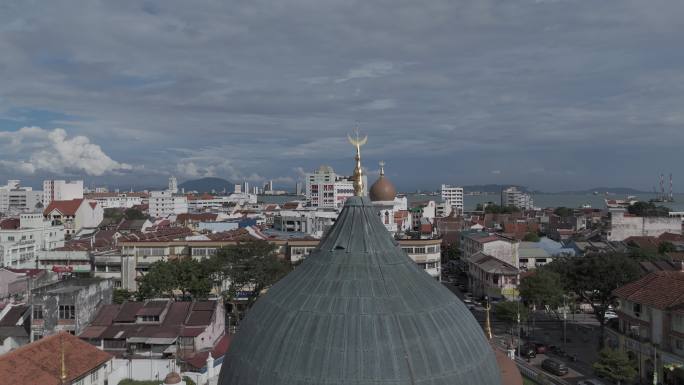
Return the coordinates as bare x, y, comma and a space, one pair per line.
609, 314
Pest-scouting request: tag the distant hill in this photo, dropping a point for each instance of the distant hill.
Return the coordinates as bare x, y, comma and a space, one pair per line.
603, 190
203, 185
490, 188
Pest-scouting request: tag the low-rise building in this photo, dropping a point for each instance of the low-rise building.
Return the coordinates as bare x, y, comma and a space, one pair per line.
56, 360
68, 305
498, 246
650, 326
624, 225
74, 215
15, 327
492, 277
23, 240
124, 200
157, 328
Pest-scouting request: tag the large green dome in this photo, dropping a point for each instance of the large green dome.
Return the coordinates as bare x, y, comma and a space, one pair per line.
358, 311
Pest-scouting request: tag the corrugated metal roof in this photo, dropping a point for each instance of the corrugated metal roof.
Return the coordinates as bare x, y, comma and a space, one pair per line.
359, 311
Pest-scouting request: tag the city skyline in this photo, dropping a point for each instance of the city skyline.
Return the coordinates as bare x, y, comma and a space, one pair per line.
554, 95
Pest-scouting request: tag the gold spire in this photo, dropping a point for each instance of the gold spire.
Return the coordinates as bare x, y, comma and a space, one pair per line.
63, 372
488, 324
357, 142
382, 167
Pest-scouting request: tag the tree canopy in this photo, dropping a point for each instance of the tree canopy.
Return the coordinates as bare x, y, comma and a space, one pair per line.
132, 213
531, 237
164, 279
493, 208
563, 212
648, 209
542, 288
615, 365
507, 312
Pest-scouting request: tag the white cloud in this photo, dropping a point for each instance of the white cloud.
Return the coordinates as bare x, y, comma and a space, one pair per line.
54, 152
369, 70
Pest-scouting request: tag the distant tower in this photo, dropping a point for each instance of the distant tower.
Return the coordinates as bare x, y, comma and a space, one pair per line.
662, 186
671, 195
173, 185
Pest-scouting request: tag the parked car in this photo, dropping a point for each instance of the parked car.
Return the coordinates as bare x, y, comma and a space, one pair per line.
609, 314
555, 367
540, 347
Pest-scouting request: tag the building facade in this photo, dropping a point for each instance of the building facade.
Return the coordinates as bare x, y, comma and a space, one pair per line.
512, 196
453, 196
74, 215
24, 240
17, 199
165, 203
326, 189
60, 190
624, 225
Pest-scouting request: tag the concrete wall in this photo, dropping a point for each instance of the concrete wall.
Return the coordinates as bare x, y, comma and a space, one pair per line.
622, 227
503, 250
140, 369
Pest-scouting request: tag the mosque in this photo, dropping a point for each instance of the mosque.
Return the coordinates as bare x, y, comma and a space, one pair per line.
358, 311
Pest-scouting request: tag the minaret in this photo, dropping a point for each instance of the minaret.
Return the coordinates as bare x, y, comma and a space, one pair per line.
358, 171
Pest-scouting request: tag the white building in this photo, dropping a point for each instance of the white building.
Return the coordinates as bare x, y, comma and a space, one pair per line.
512, 196
326, 189
17, 199
109, 200
311, 222
453, 196
173, 185
75, 214
165, 203
60, 190
24, 239
203, 203
623, 225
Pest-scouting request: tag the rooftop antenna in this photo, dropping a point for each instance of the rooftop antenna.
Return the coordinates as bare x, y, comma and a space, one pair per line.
662, 186
357, 142
671, 195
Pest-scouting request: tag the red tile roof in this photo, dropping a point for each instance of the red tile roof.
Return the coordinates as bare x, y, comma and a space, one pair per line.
38, 363
200, 359
9, 224
68, 208
661, 290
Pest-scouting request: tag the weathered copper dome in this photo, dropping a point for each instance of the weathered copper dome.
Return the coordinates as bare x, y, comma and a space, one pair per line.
359, 311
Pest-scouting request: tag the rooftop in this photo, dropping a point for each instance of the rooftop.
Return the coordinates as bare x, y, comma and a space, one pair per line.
661, 290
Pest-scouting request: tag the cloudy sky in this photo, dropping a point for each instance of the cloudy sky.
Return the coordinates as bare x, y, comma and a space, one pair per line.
553, 94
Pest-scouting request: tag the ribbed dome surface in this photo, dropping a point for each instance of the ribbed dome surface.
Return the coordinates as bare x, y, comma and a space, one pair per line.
358, 311
382, 190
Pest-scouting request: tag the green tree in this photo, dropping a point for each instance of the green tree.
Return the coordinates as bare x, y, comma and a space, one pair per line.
666, 247
113, 213
160, 281
615, 365
593, 279
121, 295
507, 312
164, 278
133, 213
563, 212
492, 208
250, 267
531, 237
541, 289
648, 209
194, 278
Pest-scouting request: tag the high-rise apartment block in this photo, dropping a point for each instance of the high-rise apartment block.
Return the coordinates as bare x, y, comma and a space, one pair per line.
512, 196
453, 196
326, 189
60, 190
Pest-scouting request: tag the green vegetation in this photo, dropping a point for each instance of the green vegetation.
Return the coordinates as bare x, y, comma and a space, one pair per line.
615, 365
113, 213
507, 312
188, 276
563, 212
648, 209
593, 278
666, 247
121, 295
531, 237
131, 214
188, 381
493, 208
128, 381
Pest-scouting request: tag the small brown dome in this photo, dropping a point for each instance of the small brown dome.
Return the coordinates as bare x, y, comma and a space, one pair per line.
382, 190
172, 378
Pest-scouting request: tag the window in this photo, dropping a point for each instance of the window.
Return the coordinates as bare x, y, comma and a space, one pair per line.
679, 344
37, 311
67, 312
93, 377
637, 308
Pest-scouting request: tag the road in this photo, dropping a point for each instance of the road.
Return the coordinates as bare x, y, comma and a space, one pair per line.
581, 332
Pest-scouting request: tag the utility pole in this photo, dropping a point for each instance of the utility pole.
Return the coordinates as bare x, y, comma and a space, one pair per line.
565, 318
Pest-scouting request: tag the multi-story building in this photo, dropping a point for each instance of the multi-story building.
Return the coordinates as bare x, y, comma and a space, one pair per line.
165, 203
310, 222
60, 190
492, 277
326, 189
75, 214
453, 196
498, 246
109, 200
650, 327
17, 199
173, 185
23, 240
214, 203
512, 196
67, 305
